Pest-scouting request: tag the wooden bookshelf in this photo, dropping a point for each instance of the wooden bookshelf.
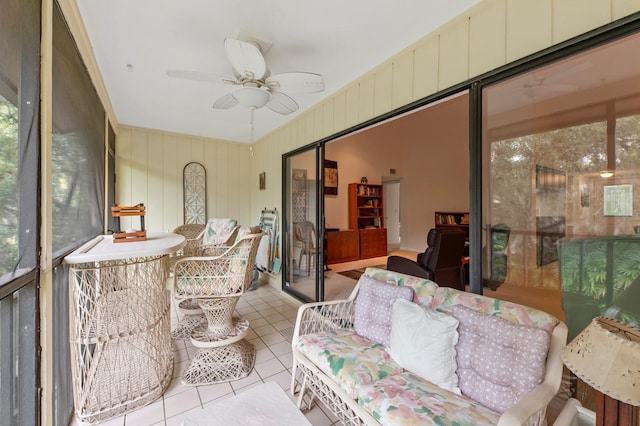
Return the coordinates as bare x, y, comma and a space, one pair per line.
458, 220
365, 206
366, 214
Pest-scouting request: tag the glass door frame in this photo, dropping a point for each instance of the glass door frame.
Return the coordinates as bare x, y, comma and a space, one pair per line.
584, 42
288, 232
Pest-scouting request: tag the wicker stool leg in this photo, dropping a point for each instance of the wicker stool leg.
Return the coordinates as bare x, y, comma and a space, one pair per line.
222, 328
220, 364
192, 318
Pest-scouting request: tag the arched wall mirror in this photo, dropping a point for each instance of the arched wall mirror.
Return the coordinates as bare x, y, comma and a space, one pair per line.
194, 180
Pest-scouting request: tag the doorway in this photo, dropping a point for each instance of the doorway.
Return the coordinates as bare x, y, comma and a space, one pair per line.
424, 154
391, 190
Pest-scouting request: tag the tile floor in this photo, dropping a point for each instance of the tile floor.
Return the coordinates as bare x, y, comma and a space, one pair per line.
272, 316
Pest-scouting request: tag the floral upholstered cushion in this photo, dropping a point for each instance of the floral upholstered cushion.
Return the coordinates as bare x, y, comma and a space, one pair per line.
407, 399
218, 230
498, 361
423, 289
423, 341
372, 312
351, 360
446, 298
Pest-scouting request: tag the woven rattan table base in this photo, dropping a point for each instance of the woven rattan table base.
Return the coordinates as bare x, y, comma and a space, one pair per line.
202, 337
221, 364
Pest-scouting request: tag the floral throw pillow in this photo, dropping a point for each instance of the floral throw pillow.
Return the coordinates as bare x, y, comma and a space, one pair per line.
373, 308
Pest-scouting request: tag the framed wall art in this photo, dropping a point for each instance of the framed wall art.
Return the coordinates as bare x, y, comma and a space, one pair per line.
330, 177
618, 200
262, 181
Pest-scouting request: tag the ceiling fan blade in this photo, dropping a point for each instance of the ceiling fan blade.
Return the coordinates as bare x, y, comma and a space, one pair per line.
225, 102
296, 82
246, 59
282, 104
200, 76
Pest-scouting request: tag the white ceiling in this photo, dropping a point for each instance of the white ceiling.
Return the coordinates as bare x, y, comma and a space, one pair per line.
339, 39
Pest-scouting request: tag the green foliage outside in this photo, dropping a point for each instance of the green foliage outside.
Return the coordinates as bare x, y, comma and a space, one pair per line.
575, 150
8, 186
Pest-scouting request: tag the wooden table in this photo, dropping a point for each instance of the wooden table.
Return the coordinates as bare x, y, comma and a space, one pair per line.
119, 316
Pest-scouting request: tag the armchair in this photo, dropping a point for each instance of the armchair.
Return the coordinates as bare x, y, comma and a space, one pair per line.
215, 283
202, 240
407, 266
193, 233
305, 233
443, 256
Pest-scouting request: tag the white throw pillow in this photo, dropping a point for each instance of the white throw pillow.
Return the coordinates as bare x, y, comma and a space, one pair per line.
423, 341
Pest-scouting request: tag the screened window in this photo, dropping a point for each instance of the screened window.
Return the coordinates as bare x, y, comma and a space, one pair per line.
19, 188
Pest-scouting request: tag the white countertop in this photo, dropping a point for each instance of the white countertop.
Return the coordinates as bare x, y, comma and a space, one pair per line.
103, 248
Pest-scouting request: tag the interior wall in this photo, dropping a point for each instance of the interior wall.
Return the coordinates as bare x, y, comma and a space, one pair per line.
149, 167
429, 150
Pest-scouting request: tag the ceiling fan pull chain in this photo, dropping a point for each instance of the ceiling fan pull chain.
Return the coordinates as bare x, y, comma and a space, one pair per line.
251, 110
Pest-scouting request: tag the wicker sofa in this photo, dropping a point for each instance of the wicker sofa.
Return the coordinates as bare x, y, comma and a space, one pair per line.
358, 379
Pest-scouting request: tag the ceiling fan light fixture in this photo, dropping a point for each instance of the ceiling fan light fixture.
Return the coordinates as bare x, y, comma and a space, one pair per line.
606, 174
252, 97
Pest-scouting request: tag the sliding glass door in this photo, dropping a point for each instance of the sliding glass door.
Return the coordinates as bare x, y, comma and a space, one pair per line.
561, 185
303, 264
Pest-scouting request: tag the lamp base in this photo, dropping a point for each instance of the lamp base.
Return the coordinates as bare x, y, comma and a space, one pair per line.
611, 412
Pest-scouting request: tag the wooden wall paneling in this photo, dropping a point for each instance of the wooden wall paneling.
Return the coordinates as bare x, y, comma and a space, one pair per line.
155, 201
123, 167
182, 158
328, 111
366, 97
234, 174
383, 89
402, 92
528, 27
302, 131
173, 213
139, 174
425, 67
487, 43
352, 103
318, 123
622, 8
221, 173
454, 53
574, 17
309, 122
340, 111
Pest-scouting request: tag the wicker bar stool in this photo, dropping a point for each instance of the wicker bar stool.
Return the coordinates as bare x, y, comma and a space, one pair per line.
216, 283
201, 240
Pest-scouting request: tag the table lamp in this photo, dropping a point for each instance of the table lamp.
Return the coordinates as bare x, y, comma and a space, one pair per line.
606, 355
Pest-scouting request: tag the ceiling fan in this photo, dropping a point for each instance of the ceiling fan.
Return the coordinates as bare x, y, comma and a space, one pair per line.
257, 87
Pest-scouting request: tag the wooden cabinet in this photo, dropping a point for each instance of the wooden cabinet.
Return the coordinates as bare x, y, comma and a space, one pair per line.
366, 217
373, 243
458, 220
343, 246
365, 206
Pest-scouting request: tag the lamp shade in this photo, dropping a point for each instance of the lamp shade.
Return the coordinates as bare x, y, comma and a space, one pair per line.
252, 97
606, 355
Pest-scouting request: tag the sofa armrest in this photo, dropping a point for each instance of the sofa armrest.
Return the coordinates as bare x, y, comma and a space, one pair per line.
531, 410
323, 316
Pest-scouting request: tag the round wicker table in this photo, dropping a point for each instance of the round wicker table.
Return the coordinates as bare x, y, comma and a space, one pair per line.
119, 319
